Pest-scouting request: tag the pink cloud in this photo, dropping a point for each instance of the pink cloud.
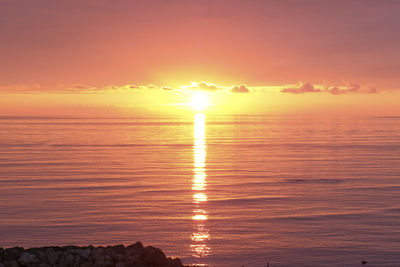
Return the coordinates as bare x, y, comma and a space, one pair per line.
240, 89
303, 88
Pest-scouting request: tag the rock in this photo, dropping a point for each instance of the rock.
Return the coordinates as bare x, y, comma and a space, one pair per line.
154, 256
12, 263
99, 253
52, 256
42, 256
118, 249
86, 264
118, 253
10, 254
174, 262
134, 255
70, 259
85, 253
118, 257
101, 257
35, 251
104, 261
61, 260
133, 260
99, 260
28, 259
136, 248
66, 248
120, 264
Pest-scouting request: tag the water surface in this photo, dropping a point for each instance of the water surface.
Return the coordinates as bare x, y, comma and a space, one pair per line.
214, 190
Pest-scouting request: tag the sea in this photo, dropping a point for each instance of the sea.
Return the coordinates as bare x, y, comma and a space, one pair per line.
282, 190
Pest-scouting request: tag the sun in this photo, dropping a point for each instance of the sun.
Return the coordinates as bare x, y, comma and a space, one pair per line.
199, 101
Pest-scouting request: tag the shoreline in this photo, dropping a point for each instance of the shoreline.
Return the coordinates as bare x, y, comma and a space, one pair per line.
135, 255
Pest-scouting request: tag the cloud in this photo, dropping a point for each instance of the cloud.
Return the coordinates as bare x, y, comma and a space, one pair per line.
79, 86
37, 89
208, 86
152, 86
205, 86
335, 91
307, 87
129, 87
301, 89
21, 88
372, 90
351, 88
75, 88
240, 89
211, 87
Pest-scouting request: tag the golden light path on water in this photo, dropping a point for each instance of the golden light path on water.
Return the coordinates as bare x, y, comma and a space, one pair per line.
200, 235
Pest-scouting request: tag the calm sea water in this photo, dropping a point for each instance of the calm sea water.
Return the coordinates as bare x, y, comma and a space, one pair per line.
218, 191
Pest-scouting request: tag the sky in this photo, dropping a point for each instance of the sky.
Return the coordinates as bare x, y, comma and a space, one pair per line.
102, 57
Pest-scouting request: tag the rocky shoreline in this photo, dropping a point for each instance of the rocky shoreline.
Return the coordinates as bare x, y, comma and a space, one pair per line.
135, 255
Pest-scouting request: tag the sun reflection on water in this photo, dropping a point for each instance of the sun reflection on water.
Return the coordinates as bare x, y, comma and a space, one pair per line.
200, 235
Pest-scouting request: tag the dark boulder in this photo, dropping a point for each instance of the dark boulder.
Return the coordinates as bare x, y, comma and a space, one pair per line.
10, 254
154, 256
134, 255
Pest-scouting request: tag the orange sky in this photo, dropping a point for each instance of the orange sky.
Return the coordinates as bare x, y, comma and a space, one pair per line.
141, 57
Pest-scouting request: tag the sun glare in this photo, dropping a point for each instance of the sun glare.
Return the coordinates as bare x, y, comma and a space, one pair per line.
199, 101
